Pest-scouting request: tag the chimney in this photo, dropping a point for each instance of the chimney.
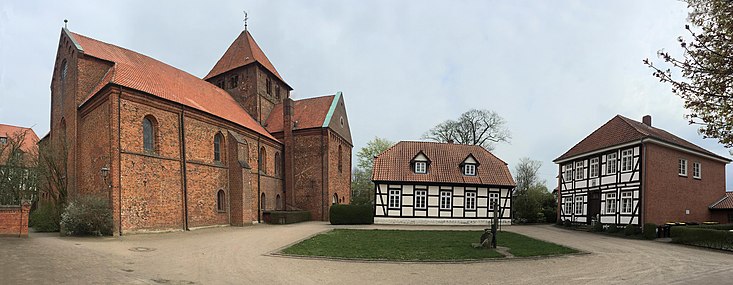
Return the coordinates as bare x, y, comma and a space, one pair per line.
647, 120
289, 142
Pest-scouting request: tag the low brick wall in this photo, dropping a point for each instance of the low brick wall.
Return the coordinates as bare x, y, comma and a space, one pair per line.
14, 220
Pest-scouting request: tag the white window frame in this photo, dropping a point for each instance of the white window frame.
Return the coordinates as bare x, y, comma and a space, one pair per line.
421, 167
421, 198
611, 163
682, 167
594, 167
610, 203
696, 170
627, 202
446, 200
568, 172
578, 205
627, 160
469, 169
394, 200
579, 170
493, 197
568, 205
470, 200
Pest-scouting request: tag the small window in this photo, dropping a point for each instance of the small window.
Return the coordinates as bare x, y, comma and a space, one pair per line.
594, 167
421, 167
268, 83
217, 147
3, 140
278, 203
579, 170
278, 163
493, 200
579, 205
234, 81
64, 70
470, 201
696, 170
682, 167
611, 163
263, 160
626, 202
277, 91
341, 161
220, 84
221, 201
568, 172
627, 158
611, 203
394, 199
445, 200
469, 169
341, 120
420, 199
335, 199
149, 134
263, 202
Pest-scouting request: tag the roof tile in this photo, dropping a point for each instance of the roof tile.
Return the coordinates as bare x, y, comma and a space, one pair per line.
308, 113
724, 203
243, 51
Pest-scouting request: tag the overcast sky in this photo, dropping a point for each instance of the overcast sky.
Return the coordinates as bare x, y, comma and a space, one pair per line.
555, 70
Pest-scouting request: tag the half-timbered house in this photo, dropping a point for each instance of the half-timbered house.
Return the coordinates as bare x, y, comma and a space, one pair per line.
440, 183
628, 172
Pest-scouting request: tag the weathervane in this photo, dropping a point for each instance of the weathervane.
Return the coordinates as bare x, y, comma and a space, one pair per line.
245, 20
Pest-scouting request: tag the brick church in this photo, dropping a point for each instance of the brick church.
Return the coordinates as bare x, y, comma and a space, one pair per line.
172, 151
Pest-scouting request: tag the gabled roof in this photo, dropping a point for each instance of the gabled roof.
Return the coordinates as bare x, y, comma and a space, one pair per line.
243, 51
307, 113
394, 164
620, 130
133, 70
30, 138
725, 203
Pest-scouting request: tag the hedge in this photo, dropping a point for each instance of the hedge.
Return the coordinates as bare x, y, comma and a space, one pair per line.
286, 217
632, 230
650, 231
703, 236
341, 214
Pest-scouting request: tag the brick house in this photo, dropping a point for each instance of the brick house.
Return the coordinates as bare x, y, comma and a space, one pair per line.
18, 152
175, 152
629, 172
440, 183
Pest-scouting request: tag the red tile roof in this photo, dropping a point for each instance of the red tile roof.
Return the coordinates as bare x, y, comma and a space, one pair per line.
243, 51
30, 140
140, 72
308, 113
445, 160
621, 130
725, 203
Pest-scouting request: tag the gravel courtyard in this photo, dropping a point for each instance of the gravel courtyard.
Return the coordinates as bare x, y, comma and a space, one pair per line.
233, 255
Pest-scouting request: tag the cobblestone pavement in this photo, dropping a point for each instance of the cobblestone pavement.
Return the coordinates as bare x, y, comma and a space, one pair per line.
234, 255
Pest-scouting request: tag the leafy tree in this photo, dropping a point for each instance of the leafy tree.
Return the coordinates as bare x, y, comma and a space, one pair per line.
705, 80
474, 127
362, 186
532, 202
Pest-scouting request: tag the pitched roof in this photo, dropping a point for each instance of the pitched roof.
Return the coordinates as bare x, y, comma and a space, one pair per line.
307, 113
724, 203
140, 72
394, 164
29, 141
243, 51
621, 130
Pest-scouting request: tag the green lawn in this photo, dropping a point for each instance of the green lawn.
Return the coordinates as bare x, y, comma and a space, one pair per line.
417, 245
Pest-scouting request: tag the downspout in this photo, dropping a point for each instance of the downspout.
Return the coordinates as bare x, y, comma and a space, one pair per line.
182, 137
642, 201
259, 173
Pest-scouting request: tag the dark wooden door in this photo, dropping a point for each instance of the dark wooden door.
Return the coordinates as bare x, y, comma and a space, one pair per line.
594, 205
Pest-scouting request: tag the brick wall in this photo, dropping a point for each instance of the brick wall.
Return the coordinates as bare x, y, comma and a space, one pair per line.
310, 195
14, 220
339, 181
667, 195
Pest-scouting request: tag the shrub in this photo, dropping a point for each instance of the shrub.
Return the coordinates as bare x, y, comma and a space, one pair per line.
286, 217
702, 236
631, 230
597, 227
724, 227
87, 215
650, 231
45, 218
613, 228
567, 223
341, 214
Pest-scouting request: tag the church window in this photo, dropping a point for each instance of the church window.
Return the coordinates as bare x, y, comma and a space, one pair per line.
221, 201
278, 164
263, 202
335, 199
278, 202
149, 134
233, 81
341, 162
64, 70
217, 147
263, 160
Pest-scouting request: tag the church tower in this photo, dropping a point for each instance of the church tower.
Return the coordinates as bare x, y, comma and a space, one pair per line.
245, 73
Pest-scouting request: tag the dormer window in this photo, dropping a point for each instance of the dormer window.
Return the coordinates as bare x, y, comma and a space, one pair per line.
421, 167
469, 169
3, 140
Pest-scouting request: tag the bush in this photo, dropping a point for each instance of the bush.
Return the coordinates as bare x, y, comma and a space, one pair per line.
45, 218
550, 215
286, 217
597, 227
724, 227
341, 214
613, 228
650, 231
703, 236
87, 215
567, 223
632, 230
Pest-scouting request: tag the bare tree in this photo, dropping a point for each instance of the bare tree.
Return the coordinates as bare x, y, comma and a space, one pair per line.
52, 171
17, 169
474, 127
526, 174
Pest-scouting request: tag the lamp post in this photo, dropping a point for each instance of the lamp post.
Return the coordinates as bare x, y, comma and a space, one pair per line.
104, 172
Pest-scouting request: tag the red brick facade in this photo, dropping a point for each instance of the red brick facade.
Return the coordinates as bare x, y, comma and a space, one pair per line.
14, 220
176, 185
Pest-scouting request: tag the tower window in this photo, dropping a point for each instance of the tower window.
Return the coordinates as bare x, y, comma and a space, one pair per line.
277, 91
268, 84
233, 81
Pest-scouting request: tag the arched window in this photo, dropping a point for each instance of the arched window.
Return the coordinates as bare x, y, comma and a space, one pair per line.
63, 130
263, 160
149, 134
263, 202
221, 201
335, 199
278, 203
278, 164
217, 147
341, 163
64, 70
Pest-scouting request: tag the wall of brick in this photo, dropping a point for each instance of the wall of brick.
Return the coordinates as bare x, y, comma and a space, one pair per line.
667, 195
14, 220
308, 173
94, 148
202, 184
339, 181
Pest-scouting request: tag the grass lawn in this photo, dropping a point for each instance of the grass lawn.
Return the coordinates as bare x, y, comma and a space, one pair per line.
417, 245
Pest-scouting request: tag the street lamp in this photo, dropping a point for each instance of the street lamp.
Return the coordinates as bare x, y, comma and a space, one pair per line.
104, 172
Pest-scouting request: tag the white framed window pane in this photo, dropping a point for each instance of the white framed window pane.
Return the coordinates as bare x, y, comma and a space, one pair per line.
420, 167
627, 157
445, 200
394, 198
696, 169
579, 205
568, 172
469, 169
471, 200
626, 202
420, 198
611, 163
594, 167
611, 203
682, 168
579, 170
493, 200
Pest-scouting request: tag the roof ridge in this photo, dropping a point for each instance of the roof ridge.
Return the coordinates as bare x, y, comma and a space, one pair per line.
725, 197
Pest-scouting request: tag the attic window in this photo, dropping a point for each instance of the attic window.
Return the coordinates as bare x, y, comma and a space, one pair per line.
234, 81
269, 85
220, 84
421, 167
342, 121
277, 91
469, 169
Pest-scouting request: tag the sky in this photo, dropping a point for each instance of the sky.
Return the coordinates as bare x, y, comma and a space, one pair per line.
554, 70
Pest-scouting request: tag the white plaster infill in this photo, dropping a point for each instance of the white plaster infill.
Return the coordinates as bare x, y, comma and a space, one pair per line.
443, 221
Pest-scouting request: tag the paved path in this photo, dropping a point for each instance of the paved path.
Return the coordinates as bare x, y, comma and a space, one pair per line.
239, 256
